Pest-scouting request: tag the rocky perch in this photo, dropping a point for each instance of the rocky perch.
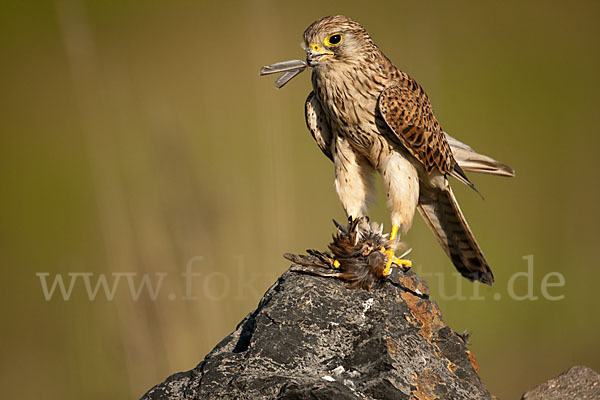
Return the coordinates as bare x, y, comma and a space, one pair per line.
335, 327
315, 337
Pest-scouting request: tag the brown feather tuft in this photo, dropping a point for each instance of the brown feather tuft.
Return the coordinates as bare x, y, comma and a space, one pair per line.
359, 247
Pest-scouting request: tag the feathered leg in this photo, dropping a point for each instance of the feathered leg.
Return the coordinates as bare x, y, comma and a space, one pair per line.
353, 179
401, 182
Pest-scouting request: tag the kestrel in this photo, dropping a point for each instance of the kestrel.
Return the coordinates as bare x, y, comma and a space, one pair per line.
366, 115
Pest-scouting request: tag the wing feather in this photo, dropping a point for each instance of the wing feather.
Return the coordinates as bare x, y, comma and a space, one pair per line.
407, 112
471, 161
318, 125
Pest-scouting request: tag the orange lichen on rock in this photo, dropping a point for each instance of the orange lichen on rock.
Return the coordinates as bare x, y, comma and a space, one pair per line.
426, 313
414, 285
391, 346
473, 361
425, 384
452, 367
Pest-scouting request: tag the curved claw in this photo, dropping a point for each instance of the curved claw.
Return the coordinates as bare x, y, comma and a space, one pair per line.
392, 259
401, 262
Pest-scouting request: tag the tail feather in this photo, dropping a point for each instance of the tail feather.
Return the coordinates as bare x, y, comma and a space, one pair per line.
471, 161
459, 174
440, 210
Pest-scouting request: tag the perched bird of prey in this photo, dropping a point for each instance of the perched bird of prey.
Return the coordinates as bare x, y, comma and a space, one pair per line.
366, 115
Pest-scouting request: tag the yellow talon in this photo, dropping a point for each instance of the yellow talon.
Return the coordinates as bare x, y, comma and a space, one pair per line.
388, 265
394, 232
336, 264
402, 262
392, 259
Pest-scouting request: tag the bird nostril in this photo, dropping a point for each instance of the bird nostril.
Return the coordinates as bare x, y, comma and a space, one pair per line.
315, 47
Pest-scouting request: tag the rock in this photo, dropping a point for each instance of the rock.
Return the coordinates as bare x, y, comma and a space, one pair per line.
315, 337
576, 383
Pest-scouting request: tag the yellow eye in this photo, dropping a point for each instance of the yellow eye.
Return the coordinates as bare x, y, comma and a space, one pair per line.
333, 40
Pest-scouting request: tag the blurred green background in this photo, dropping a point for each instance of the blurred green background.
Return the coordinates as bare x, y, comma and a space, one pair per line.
137, 137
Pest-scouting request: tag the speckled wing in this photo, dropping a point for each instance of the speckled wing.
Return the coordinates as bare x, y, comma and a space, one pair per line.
407, 112
318, 125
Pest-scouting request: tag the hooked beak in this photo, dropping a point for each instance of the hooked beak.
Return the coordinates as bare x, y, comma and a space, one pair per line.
315, 54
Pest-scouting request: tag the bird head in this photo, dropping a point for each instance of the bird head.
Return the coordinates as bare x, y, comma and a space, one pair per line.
335, 39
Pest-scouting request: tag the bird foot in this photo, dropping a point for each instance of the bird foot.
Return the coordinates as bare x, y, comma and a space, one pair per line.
392, 259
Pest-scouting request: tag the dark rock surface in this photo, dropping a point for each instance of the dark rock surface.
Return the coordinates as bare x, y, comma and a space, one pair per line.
576, 383
314, 337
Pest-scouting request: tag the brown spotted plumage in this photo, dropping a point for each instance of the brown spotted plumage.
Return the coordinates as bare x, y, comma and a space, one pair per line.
366, 115
406, 110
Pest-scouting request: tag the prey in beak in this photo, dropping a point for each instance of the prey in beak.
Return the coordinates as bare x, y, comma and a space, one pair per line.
289, 70
315, 54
